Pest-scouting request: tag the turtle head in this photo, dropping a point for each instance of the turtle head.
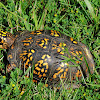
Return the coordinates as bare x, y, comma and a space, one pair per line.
6, 39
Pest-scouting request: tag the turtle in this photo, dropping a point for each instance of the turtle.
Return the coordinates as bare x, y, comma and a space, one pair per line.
52, 55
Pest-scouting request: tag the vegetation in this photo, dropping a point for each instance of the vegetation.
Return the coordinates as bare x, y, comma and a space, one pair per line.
79, 19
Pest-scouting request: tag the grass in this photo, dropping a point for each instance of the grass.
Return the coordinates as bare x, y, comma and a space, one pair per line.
79, 19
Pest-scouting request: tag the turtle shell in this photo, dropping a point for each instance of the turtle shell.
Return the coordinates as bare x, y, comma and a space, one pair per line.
53, 55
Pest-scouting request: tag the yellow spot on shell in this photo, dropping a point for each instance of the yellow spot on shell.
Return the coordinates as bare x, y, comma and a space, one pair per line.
78, 74
77, 53
33, 51
43, 57
54, 46
40, 61
44, 74
27, 62
36, 65
60, 71
34, 72
38, 73
58, 50
71, 39
26, 40
56, 35
42, 70
62, 53
31, 58
75, 42
58, 68
73, 53
40, 76
42, 41
66, 69
52, 34
46, 40
3, 34
24, 58
44, 47
37, 68
63, 76
41, 45
25, 51
48, 56
60, 44
45, 64
80, 52
54, 76
33, 33
29, 54
30, 38
39, 32
64, 44
45, 71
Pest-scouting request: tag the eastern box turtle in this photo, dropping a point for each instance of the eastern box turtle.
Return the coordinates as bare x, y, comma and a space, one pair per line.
54, 56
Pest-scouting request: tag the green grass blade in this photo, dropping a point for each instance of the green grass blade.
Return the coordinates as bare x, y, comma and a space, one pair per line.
90, 9
84, 10
13, 13
35, 18
97, 85
41, 22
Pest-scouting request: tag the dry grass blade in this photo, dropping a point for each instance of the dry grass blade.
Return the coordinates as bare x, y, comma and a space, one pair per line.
90, 9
